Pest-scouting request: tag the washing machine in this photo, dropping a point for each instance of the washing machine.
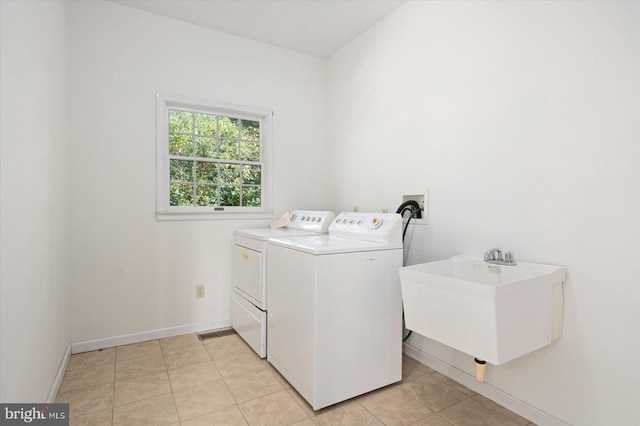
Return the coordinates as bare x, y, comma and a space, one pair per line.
335, 308
249, 264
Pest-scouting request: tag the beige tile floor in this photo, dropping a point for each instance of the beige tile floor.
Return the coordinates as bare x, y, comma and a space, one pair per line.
221, 381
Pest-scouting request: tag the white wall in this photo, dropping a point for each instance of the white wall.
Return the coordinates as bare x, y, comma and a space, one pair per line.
131, 273
522, 120
34, 224
520, 117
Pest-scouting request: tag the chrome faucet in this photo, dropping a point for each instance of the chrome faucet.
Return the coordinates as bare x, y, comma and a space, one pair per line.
494, 256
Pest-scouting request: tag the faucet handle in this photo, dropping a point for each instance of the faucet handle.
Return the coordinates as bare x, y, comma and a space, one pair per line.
493, 254
508, 258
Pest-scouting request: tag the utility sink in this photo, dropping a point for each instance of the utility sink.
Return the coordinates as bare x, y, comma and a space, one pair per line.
493, 312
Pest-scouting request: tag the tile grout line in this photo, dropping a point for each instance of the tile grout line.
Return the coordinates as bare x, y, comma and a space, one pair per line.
166, 370
230, 393
113, 396
491, 408
495, 412
180, 420
467, 397
365, 408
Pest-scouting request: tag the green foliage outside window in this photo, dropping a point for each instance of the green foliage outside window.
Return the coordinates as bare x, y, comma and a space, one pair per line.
213, 160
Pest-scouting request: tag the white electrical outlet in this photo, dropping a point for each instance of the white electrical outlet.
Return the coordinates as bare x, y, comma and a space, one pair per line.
199, 291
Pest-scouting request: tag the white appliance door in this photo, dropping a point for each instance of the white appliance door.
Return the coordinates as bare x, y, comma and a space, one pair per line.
247, 271
335, 322
358, 324
250, 323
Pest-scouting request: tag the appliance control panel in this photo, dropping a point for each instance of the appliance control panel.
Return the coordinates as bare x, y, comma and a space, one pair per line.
380, 227
311, 220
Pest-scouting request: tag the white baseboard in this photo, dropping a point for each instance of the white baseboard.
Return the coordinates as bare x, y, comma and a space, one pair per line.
126, 339
53, 392
499, 396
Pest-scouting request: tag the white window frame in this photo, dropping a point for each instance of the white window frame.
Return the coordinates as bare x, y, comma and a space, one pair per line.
164, 211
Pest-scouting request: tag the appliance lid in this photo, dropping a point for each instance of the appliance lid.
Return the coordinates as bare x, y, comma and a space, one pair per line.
328, 244
264, 234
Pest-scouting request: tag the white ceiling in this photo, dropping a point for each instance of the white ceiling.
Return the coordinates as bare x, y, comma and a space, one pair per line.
314, 27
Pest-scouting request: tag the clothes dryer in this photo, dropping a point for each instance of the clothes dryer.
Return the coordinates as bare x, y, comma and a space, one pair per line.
335, 308
249, 273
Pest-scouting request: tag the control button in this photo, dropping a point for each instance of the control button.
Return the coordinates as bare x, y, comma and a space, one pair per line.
376, 222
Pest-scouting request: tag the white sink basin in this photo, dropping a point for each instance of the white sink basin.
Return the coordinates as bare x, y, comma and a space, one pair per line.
495, 313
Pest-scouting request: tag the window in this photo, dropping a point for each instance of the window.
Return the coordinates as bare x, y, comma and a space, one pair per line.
213, 160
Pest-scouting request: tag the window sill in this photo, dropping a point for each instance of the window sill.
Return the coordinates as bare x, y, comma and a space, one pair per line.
228, 215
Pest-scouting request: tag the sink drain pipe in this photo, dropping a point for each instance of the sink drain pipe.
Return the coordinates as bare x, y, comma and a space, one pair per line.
480, 367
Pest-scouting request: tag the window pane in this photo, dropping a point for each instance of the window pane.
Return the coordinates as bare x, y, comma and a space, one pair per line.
250, 130
206, 124
229, 173
206, 147
180, 194
180, 121
228, 127
229, 196
180, 171
251, 196
212, 155
251, 174
206, 172
228, 149
206, 195
250, 151
180, 145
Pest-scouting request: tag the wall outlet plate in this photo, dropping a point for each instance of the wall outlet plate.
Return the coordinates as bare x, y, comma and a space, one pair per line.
199, 291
